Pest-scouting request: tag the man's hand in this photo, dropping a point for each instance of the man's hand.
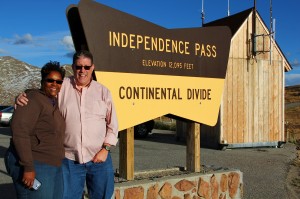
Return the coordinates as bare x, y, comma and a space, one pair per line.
28, 178
21, 100
100, 156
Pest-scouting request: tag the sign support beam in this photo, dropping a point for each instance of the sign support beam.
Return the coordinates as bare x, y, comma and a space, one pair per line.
193, 147
126, 151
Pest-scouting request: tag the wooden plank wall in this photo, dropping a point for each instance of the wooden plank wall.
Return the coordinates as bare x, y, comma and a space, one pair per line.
252, 105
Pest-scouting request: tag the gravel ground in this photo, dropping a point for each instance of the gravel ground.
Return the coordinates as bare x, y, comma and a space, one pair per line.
293, 176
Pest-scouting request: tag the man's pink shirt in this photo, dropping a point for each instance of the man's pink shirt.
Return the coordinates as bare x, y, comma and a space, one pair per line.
90, 117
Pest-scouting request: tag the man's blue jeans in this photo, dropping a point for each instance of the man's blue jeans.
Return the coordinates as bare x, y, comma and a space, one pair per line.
50, 177
99, 178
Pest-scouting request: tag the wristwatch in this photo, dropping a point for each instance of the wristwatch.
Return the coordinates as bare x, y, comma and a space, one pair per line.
106, 147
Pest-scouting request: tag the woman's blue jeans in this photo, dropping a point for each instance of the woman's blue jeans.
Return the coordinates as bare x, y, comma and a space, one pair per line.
50, 177
99, 178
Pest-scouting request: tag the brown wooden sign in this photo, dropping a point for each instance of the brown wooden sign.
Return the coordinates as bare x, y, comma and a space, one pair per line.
150, 70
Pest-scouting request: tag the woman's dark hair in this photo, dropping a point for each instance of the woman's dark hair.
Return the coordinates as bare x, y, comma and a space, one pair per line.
50, 67
83, 53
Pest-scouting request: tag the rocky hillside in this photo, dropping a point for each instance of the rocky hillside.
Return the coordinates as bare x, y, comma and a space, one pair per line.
292, 94
17, 76
292, 113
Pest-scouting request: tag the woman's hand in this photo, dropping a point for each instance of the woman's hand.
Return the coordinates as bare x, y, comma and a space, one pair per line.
28, 178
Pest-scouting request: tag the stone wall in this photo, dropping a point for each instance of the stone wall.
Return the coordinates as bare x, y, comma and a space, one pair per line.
218, 185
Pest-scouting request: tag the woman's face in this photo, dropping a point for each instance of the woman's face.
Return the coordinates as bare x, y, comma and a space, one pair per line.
52, 84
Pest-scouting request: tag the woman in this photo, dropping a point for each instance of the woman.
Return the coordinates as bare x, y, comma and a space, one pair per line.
36, 150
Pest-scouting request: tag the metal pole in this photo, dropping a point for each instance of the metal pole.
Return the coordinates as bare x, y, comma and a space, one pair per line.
271, 31
254, 30
202, 13
228, 11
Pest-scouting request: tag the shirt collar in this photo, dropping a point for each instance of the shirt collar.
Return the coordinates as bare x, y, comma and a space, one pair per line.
79, 88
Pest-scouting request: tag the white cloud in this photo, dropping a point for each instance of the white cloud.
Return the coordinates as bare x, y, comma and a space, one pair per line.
38, 49
25, 39
68, 42
2, 51
295, 63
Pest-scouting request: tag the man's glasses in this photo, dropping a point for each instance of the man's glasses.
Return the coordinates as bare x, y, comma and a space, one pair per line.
53, 80
85, 67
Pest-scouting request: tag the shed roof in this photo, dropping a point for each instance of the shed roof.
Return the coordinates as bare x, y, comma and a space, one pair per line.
234, 22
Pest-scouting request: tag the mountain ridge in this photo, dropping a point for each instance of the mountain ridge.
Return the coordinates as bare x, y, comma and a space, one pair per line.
17, 76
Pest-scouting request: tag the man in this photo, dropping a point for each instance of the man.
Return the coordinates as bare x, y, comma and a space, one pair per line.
91, 128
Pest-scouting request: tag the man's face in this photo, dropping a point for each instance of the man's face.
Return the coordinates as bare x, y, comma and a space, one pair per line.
83, 70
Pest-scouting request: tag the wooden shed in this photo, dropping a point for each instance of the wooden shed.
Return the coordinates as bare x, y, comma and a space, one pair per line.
252, 108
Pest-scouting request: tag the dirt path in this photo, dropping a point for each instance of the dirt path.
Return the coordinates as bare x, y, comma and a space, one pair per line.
293, 177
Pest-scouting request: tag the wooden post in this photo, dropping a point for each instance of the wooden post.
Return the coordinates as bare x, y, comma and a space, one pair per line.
193, 147
126, 160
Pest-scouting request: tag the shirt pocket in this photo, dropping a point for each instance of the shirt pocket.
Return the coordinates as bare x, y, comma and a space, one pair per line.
97, 109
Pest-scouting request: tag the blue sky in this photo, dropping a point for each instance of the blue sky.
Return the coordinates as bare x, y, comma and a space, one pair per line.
37, 31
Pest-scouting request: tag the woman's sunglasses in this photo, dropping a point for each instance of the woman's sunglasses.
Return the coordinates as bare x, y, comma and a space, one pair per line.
53, 80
